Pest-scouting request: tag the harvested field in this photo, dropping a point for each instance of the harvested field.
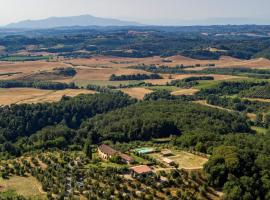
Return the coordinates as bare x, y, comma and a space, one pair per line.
27, 68
25, 186
31, 95
185, 92
137, 93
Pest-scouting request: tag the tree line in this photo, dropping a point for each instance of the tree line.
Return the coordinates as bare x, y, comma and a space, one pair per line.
36, 84
135, 77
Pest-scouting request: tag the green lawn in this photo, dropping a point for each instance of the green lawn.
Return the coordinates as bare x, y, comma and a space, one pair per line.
259, 130
83, 83
163, 87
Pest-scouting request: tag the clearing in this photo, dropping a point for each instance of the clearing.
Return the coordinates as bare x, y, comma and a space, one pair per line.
25, 186
137, 93
184, 159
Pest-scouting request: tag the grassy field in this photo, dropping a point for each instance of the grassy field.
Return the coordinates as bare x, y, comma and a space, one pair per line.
184, 159
259, 130
31, 95
25, 186
179, 92
163, 87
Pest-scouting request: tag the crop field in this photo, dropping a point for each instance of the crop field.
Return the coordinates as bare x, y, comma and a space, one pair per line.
99, 69
137, 93
22, 69
26, 186
224, 61
30, 95
184, 159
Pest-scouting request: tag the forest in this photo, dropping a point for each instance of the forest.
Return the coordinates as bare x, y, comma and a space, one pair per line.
157, 41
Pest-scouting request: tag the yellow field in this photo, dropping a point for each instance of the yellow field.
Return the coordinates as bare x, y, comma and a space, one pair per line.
30, 95
137, 93
25, 186
184, 159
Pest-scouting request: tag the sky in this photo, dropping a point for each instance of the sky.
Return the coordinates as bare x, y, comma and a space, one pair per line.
156, 12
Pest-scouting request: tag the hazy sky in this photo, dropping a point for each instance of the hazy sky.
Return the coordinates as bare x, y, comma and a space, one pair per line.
144, 11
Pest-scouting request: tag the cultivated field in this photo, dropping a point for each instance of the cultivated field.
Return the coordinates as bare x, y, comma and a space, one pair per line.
97, 70
26, 186
31, 95
21, 69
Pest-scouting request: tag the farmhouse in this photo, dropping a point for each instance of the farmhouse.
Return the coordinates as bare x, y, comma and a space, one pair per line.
106, 152
141, 170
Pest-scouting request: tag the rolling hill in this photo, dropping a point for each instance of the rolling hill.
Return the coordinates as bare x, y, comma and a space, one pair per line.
82, 20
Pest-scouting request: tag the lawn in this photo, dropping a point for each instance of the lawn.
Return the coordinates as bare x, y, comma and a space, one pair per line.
25, 186
259, 130
164, 87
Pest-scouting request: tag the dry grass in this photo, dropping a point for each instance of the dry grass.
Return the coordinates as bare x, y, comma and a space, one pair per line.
25, 186
30, 95
190, 91
27, 68
137, 93
100, 68
184, 159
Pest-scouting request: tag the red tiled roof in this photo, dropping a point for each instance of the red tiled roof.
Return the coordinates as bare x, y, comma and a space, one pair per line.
142, 169
126, 157
107, 150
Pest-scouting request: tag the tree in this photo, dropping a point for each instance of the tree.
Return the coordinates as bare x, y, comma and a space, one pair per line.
88, 149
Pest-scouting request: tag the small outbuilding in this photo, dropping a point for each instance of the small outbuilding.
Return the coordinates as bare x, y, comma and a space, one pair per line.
141, 170
168, 161
166, 152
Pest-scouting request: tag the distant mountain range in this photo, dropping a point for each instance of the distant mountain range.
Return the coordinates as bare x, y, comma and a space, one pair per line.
89, 20
82, 20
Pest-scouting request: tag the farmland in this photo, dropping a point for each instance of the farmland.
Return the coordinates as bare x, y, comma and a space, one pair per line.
29, 95
151, 113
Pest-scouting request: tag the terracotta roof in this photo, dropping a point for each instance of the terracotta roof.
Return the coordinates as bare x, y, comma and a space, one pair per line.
126, 157
142, 169
107, 150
